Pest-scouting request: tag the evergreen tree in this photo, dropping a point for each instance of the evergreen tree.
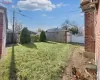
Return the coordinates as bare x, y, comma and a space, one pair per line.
25, 36
42, 36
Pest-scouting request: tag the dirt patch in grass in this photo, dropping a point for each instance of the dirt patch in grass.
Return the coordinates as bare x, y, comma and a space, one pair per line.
78, 61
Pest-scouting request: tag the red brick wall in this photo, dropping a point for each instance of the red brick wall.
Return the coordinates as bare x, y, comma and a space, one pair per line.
97, 32
1, 30
89, 32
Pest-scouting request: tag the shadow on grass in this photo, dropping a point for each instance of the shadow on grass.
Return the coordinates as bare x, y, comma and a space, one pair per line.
50, 42
31, 45
10, 45
78, 44
12, 70
23, 78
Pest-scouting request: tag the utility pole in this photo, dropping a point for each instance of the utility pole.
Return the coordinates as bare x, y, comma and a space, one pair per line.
13, 31
13, 23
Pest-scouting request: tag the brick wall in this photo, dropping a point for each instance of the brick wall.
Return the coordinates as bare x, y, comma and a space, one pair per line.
1, 29
97, 32
89, 32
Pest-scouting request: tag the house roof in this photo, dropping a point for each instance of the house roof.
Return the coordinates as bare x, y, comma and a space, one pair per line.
5, 12
56, 30
52, 30
31, 32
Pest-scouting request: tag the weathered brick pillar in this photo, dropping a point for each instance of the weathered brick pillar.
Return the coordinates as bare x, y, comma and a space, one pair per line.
1, 32
90, 31
89, 8
97, 44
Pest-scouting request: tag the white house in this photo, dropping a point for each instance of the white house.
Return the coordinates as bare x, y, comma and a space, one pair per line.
58, 35
3, 27
62, 35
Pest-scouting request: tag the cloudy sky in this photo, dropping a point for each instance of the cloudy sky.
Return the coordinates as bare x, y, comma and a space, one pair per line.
45, 14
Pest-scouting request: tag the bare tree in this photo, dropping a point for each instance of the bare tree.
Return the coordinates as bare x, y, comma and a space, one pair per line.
18, 27
70, 26
66, 24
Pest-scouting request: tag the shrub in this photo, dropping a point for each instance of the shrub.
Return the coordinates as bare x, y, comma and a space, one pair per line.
35, 38
42, 36
25, 36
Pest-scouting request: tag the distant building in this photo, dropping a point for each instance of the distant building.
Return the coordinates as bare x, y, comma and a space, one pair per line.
57, 35
63, 35
32, 33
9, 37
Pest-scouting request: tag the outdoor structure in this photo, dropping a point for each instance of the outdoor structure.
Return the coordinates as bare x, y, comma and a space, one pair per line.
91, 8
9, 37
64, 36
16, 36
58, 35
3, 26
77, 38
90, 12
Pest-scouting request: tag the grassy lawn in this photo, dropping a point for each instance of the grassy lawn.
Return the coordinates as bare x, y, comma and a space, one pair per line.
39, 61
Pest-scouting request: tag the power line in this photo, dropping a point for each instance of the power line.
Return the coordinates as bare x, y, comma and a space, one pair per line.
23, 15
31, 17
73, 11
20, 13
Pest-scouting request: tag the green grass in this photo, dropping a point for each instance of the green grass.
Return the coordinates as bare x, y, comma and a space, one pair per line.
39, 61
